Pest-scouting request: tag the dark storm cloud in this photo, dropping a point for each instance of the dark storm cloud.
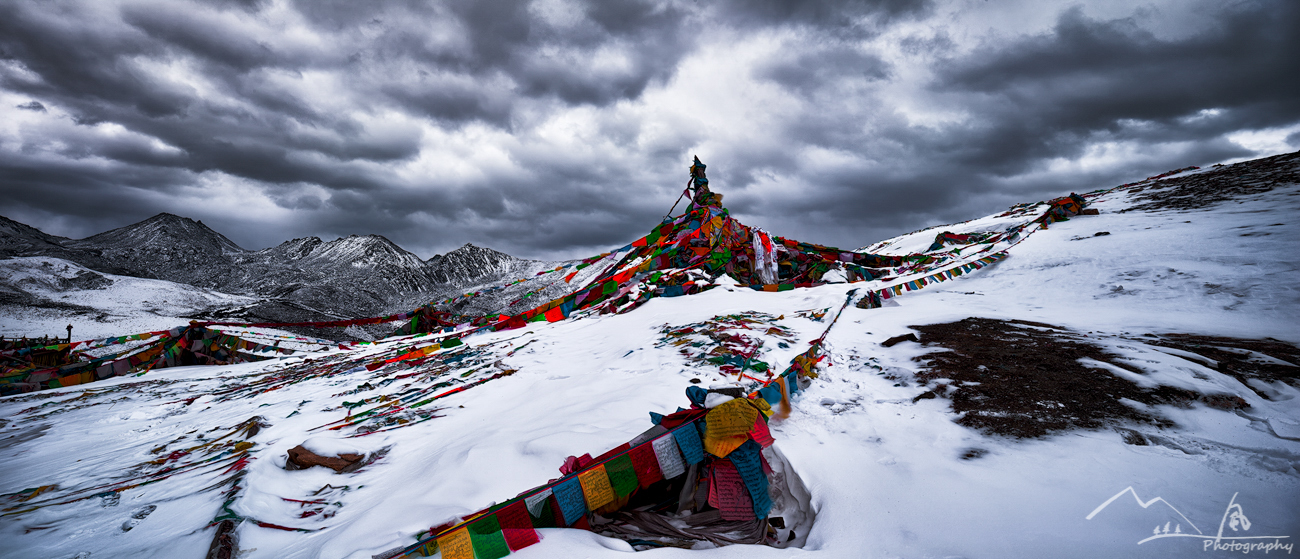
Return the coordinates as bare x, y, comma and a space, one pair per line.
808, 72
435, 123
1048, 96
498, 54
833, 16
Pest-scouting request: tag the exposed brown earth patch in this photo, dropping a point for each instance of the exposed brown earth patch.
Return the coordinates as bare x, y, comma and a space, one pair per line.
1265, 360
1024, 379
1217, 184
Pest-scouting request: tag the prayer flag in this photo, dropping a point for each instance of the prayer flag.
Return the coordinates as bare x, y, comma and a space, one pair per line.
569, 496
485, 535
536, 501
761, 434
555, 315
749, 465
596, 487
669, 458
456, 545
728, 426
516, 527
645, 465
728, 493
622, 475
688, 440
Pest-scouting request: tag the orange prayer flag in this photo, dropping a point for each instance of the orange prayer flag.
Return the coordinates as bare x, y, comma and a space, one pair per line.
456, 545
596, 487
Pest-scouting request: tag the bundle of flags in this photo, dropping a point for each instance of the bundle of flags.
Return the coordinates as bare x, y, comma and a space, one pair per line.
948, 238
704, 242
727, 438
183, 345
1061, 209
731, 342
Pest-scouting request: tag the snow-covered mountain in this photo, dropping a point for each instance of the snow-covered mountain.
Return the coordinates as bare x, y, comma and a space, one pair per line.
301, 279
1148, 352
167, 247
468, 263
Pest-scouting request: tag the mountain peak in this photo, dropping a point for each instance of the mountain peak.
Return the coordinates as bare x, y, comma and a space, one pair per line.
467, 262
169, 227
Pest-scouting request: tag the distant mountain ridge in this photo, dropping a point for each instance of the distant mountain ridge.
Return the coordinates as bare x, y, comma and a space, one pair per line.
303, 279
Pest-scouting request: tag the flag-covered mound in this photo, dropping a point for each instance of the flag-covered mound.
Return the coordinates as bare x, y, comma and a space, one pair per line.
472, 438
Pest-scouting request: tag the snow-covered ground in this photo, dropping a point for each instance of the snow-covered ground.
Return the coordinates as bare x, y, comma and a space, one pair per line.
887, 476
97, 304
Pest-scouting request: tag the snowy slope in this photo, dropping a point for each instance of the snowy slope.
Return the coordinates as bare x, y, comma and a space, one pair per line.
888, 476
52, 293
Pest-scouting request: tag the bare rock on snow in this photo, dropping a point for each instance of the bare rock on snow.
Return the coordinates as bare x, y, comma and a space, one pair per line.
300, 459
891, 342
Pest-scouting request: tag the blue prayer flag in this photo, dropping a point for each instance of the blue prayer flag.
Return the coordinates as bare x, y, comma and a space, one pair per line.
572, 504
750, 466
688, 440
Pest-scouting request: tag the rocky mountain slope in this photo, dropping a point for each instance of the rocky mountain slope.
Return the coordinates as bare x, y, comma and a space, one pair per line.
298, 280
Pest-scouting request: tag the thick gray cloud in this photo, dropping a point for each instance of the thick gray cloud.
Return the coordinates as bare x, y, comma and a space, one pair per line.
558, 128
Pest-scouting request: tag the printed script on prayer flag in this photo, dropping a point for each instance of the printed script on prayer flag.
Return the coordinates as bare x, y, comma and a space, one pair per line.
622, 476
646, 465
670, 460
516, 526
732, 418
596, 487
536, 501
688, 440
489, 542
456, 545
761, 434
572, 504
732, 498
748, 462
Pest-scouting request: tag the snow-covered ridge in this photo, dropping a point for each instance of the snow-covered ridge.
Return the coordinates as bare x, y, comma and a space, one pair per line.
353, 276
40, 295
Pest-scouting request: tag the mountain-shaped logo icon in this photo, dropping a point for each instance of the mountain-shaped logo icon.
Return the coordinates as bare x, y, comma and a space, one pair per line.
1234, 519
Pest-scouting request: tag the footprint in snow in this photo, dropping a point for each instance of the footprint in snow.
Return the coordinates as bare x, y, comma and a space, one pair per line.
138, 516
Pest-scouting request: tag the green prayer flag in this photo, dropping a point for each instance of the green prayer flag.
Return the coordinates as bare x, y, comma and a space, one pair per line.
489, 543
621, 474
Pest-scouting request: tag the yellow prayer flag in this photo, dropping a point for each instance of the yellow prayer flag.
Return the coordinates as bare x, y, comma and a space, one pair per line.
731, 418
727, 426
596, 487
456, 545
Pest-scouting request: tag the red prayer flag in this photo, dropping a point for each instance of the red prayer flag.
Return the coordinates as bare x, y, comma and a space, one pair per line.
646, 465
516, 526
555, 315
761, 434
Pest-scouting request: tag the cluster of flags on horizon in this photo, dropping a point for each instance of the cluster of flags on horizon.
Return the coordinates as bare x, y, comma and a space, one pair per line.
916, 284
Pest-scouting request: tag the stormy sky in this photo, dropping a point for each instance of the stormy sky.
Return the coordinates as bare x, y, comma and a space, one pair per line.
557, 128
